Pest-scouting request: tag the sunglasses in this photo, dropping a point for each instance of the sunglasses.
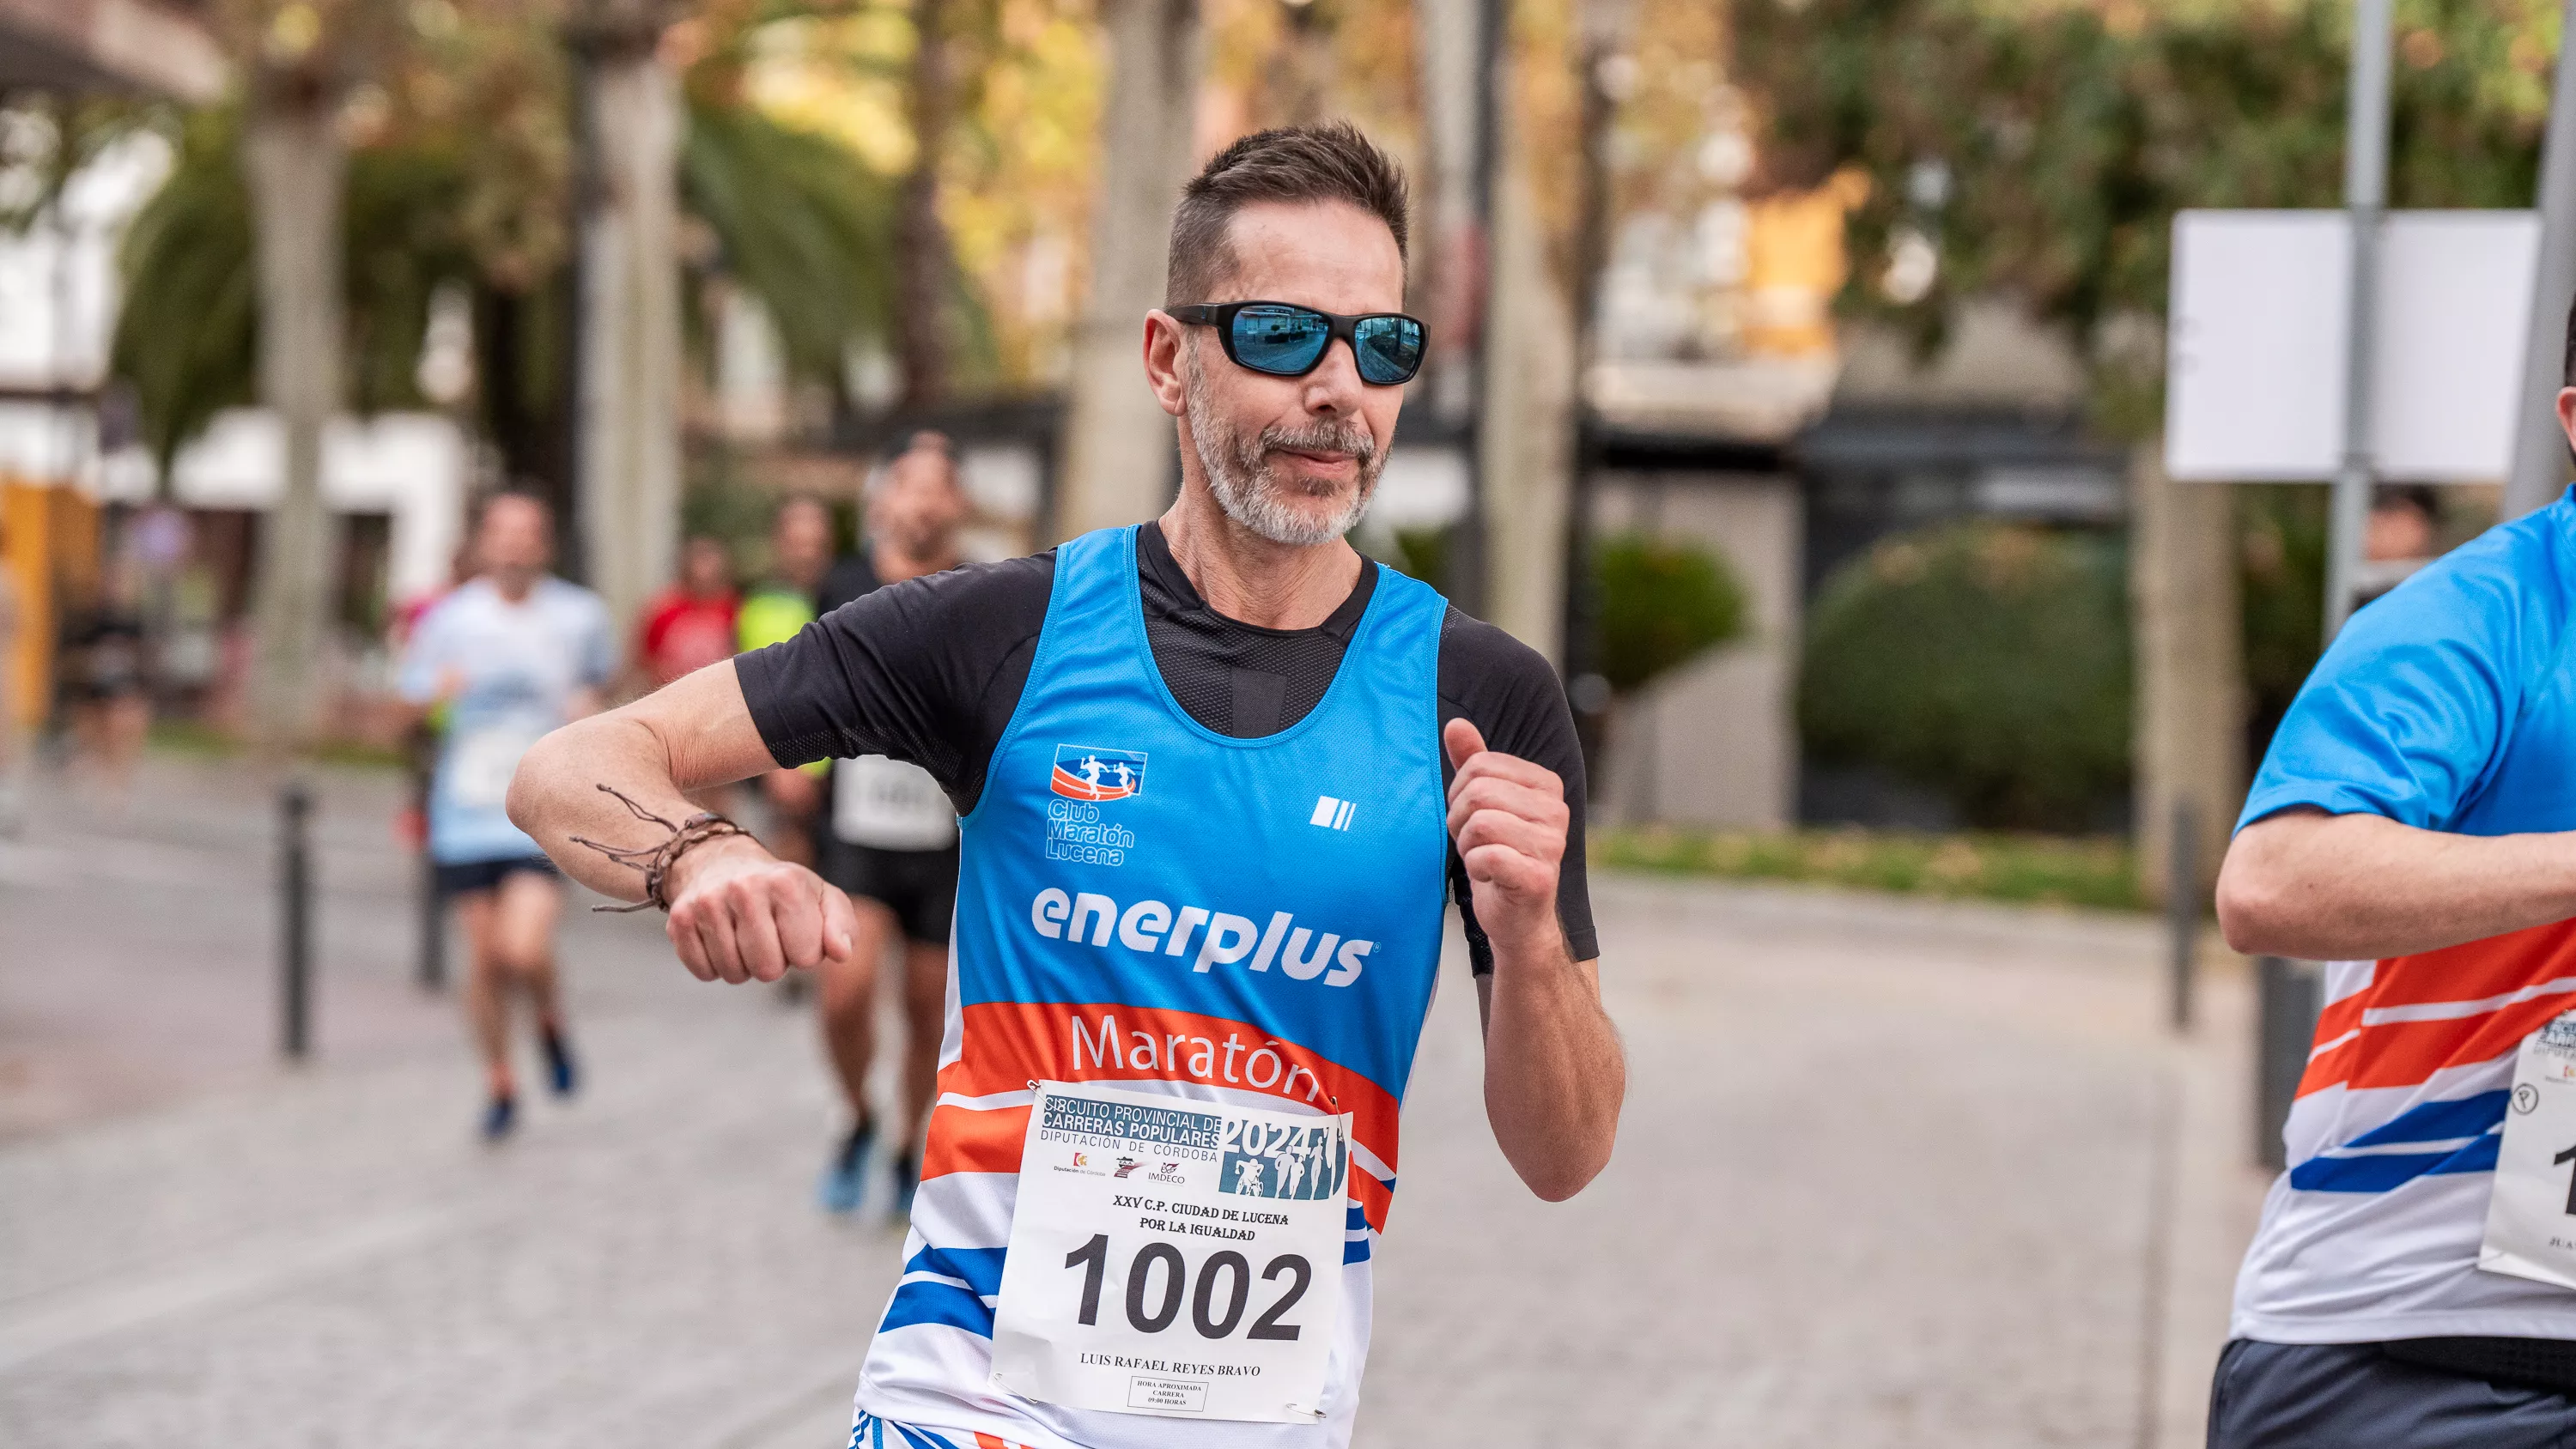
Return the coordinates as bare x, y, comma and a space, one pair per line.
1285, 340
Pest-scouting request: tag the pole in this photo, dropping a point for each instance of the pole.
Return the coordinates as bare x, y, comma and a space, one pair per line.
2288, 997
433, 928
2182, 909
1585, 688
1466, 571
2539, 447
295, 921
2365, 195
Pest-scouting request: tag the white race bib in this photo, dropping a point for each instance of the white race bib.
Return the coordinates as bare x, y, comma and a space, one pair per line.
480, 764
1173, 1256
890, 805
2531, 1220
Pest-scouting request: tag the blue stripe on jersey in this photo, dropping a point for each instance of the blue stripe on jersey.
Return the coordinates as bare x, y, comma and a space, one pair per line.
980, 1268
2439, 1121
924, 1301
2381, 1171
1355, 1250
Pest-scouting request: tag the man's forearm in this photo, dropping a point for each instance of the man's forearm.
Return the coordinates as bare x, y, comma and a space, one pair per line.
687, 737
1554, 1072
2361, 887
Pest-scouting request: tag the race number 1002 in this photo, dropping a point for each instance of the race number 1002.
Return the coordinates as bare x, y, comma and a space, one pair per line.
1222, 1294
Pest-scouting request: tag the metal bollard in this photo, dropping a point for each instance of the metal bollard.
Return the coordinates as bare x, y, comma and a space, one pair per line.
2182, 909
295, 924
2290, 995
433, 928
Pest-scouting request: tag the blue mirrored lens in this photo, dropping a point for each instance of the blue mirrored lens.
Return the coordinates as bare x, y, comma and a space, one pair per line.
1282, 340
1389, 349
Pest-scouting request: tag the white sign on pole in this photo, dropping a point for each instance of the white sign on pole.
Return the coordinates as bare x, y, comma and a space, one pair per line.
2255, 348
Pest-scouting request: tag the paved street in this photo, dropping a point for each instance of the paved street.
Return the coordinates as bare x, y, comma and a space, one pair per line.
1892, 1174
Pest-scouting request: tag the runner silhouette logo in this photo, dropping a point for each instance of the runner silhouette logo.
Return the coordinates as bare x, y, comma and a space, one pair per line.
1084, 772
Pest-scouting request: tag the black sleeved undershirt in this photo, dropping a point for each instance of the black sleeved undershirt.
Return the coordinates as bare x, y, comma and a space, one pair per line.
930, 670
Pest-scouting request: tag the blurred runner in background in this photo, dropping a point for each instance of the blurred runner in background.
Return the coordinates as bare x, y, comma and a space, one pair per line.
800, 551
106, 682
691, 624
892, 844
510, 654
2413, 1284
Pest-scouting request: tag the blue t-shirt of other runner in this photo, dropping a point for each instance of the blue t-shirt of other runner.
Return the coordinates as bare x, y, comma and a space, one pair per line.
2450, 703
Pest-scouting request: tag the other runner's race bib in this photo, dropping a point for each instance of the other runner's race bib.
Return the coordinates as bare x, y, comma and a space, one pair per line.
481, 762
890, 805
1174, 1257
2531, 1219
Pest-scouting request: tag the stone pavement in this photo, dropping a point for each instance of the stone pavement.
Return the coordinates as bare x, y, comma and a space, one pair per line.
1892, 1174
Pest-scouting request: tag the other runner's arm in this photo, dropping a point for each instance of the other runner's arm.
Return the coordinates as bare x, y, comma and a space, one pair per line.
737, 912
2361, 886
1554, 1072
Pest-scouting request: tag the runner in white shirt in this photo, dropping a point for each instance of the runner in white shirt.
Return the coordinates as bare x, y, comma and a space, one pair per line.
511, 654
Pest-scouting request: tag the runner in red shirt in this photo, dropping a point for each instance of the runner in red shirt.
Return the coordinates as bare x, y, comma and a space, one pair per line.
691, 624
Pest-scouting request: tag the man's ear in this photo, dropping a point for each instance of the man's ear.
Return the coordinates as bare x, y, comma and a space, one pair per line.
2567, 415
1164, 339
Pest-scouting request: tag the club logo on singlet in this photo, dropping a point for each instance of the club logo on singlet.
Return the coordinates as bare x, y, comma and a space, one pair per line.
1085, 772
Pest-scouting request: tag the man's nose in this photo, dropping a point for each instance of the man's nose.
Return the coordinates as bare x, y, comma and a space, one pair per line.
1334, 386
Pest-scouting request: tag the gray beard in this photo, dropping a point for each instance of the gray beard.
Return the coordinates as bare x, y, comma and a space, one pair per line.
1239, 477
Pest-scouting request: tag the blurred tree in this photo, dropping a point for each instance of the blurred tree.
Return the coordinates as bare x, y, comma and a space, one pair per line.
2041, 147
303, 60
1118, 447
1662, 605
1987, 663
459, 173
2038, 149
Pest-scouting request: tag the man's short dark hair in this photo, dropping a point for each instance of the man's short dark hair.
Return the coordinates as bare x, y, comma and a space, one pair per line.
2569, 362
1328, 162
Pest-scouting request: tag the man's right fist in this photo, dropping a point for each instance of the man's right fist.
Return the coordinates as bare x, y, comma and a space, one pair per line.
739, 913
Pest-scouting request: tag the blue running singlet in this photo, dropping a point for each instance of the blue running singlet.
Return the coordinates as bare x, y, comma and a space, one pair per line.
1144, 901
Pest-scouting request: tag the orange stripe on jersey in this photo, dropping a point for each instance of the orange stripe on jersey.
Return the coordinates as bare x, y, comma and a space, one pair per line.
2476, 970
963, 1139
2406, 1053
1005, 1045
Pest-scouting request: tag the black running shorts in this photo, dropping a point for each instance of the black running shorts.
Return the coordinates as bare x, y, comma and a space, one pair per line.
919, 886
468, 876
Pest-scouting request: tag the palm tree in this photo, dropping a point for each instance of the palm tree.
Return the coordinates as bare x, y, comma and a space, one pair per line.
473, 194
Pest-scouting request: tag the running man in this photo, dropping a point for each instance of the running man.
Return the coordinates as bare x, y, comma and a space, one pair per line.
2414, 827
800, 551
892, 845
691, 624
512, 653
1208, 942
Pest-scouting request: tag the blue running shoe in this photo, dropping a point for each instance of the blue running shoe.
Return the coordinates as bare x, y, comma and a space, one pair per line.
845, 1177
499, 1118
907, 1181
559, 1064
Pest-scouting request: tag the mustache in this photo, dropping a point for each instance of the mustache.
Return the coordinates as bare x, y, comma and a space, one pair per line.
1348, 436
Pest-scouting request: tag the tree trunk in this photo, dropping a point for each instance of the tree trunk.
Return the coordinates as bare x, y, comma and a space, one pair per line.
921, 241
1526, 427
1119, 459
2191, 699
629, 428
296, 172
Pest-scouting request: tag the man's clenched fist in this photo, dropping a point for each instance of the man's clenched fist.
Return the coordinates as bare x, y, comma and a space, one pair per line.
1508, 817
739, 913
